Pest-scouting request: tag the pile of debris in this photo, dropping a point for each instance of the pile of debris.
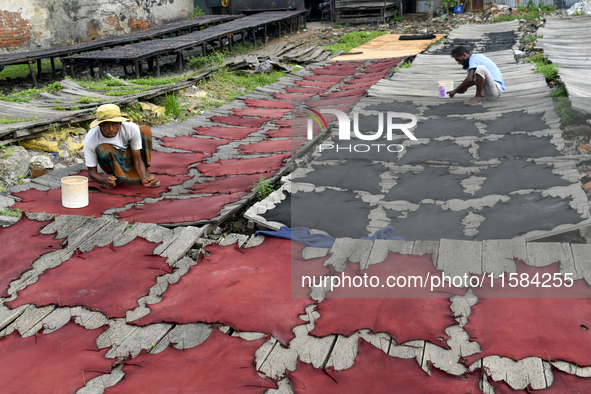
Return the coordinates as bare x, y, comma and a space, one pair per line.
497, 10
580, 8
270, 59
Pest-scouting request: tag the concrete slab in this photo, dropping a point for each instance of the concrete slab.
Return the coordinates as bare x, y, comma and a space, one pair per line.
186, 238
527, 372
457, 258
184, 336
582, 259
102, 382
498, 255
142, 338
59, 317
354, 250
381, 340
64, 225
30, 318
344, 352
273, 360
541, 254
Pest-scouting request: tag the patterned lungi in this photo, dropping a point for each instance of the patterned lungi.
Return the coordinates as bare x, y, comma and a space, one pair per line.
120, 163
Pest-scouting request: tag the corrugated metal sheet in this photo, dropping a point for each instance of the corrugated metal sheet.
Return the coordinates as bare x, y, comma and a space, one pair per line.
521, 3
566, 3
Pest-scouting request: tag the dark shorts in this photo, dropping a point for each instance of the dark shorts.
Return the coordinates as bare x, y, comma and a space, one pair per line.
120, 163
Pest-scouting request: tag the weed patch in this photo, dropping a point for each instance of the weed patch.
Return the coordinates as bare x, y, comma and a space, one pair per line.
528, 12
263, 187
353, 40
22, 70
172, 106
218, 58
543, 66
12, 212
224, 86
123, 92
21, 97
152, 81
562, 106
529, 39
196, 12
403, 65
17, 120
559, 92
88, 99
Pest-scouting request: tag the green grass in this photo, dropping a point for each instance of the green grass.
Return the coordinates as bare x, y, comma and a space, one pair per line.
54, 87
213, 60
263, 187
172, 106
438, 42
537, 58
550, 71
97, 84
543, 66
339, 26
528, 12
224, 86
12, 120
353, 40
12, 212
507, 18
88, 99
562, 106
22, 96
123, 92
217, 58
559, 92
396, 19
529, 39
531, 7
158, 81
403, 65
22, 70
196, 12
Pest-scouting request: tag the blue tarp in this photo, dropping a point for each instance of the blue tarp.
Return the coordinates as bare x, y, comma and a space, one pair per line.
305, 236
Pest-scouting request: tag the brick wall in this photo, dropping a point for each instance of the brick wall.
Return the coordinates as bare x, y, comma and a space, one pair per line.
14, 30
139, 24
27, 25
113, 20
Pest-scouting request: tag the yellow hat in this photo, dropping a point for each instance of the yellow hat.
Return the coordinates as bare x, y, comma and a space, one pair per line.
109, 113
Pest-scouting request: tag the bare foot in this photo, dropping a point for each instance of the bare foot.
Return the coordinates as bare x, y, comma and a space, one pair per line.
474, 101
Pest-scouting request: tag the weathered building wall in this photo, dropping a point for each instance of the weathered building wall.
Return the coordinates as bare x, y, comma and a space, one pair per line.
39, 24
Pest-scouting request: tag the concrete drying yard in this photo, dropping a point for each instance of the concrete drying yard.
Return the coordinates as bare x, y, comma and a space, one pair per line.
150, 290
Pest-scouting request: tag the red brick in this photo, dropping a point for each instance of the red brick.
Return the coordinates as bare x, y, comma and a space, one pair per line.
14, 30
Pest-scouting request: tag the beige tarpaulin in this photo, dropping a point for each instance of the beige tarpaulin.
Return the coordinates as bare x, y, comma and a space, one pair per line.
388, 46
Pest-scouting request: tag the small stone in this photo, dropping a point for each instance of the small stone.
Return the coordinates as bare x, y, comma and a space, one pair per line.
78, 161
59, 166
41, 161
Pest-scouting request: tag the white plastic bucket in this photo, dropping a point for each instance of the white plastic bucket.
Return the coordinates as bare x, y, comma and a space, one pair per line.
444, 87
75, 191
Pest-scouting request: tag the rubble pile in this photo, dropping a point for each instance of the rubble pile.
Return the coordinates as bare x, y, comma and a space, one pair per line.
582, 7
497, 10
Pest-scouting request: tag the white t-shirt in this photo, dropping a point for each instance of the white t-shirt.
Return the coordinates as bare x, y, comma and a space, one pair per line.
128, 136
